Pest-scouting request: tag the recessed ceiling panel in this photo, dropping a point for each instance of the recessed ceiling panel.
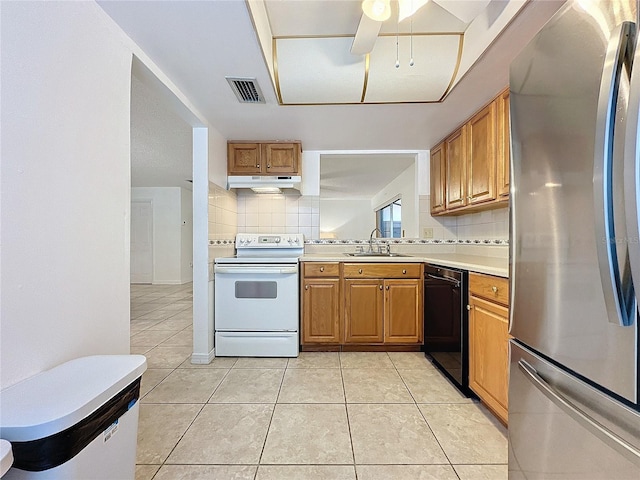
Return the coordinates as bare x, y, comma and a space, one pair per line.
318, 70
435, 60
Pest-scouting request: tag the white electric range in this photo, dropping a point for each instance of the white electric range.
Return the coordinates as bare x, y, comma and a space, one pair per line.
256, 297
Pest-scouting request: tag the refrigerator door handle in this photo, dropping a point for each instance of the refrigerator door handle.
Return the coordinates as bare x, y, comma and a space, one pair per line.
619, 444
632, 170
617, 287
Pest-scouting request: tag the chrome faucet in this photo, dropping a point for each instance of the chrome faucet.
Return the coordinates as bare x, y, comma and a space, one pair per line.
371, 240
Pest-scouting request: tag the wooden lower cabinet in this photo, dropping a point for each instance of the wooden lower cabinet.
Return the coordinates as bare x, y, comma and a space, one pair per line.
361, 304
320, 305
321, 310
363, 311
403, 311
489, 343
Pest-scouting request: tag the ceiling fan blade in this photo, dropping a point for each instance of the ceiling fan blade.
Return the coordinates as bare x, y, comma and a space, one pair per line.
366, 36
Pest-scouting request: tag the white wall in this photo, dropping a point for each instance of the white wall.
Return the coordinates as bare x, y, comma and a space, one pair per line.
346, 218
404, 185
65, 186
172, 232
186, 237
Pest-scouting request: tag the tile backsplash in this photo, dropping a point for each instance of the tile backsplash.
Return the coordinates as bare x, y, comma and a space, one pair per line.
279, 213
486, 225
247, 212
223, 213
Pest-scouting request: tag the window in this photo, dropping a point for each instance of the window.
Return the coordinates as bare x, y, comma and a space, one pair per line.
389, 219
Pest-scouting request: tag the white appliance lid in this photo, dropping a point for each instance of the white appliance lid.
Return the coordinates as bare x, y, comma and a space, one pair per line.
57, 399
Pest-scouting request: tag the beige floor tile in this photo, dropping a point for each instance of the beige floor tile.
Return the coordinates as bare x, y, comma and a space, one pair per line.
140, 350
146, 472
167, 357
405, 472
431, 386
183, 338
261, 362
467, 432
150, 338
410, 360
392, 434
306, 472
206, 472
217, 362
375, 386
225, 434
312, 385
152, 377
308, 434
187, 385
249, 385
482, 472
139, 325
173, 324
365, 360
159, 429
315, 360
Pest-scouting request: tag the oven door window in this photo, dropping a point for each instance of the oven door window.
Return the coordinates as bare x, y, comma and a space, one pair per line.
256, 289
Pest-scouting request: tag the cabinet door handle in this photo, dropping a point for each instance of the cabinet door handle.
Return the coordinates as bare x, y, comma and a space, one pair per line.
306, 287
387, 287
494, 289
360, 270
322, 269
268, 166
404, 272
258, 165
380, 287
469, 307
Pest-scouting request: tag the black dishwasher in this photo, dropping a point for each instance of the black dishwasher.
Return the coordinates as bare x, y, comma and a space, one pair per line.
446, 326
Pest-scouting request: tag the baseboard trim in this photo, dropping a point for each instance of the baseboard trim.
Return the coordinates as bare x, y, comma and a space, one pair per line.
203, 358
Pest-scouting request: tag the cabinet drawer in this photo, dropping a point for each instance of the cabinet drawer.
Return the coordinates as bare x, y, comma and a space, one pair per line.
382, 270
489, 287
318, 269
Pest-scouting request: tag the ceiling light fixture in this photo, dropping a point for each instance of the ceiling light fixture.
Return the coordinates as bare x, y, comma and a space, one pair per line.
379, 10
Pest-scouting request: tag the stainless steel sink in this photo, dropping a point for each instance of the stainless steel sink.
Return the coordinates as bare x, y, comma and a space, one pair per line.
374, 254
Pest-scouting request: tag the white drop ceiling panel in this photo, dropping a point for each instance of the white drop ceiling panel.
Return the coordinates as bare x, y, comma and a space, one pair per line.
318, 70
435, 61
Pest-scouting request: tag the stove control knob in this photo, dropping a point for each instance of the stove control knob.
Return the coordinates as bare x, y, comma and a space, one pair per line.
277, 239
297, 240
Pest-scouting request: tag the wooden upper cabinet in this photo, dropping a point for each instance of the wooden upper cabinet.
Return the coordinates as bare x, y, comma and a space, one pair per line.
504, 145
438, 179
275, 158
281, 158
243, 158
456, 169
475, 172
481, 157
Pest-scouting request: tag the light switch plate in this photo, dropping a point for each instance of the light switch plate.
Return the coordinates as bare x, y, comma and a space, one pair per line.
427, 232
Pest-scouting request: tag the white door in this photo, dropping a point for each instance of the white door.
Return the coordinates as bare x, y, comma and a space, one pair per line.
141, 241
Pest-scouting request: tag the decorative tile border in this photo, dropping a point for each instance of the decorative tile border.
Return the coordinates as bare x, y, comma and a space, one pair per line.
408, 241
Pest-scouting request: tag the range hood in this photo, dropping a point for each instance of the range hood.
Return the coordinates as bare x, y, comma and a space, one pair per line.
263, 181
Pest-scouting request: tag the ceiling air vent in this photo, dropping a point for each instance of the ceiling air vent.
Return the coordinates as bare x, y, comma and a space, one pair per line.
246, 89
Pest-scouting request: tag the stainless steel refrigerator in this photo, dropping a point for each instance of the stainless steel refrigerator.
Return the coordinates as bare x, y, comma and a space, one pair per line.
574, 408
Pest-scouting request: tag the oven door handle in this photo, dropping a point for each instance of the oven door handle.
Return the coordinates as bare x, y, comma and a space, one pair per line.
256, 270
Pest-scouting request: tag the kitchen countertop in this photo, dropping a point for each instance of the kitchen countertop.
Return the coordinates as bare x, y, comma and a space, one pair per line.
474, 263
